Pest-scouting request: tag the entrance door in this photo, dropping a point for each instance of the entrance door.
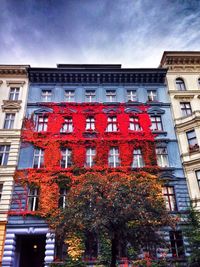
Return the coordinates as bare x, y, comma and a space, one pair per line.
31, 250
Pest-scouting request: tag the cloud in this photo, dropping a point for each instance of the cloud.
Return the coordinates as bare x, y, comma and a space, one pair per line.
131, 32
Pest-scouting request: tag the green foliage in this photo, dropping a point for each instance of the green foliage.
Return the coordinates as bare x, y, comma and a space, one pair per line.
193, 234
105, 250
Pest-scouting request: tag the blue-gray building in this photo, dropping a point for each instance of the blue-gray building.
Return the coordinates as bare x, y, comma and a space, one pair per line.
27, 235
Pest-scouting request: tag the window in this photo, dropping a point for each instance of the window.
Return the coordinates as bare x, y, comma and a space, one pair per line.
32, 203
1, 190
152, 95
199, 81
42, 121
192, 140
69, 95
162, 157
180, 85
156, 123
14, 94
198, 177
186, 108
134, 124
112, 124
91, 246
176, 241
113, 157
62, 198
67, 126
66, 160
110, 96
138, 161
90, 95
90, 155
131, 95
4, 154
38, 160
169, 197
9, 121
90, 123
46, 95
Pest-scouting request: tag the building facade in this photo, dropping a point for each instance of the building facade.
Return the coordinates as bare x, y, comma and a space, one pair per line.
183, 81
13, 88
89, 116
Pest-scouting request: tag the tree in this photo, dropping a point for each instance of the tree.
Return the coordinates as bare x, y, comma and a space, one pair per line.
125, 206
193, 234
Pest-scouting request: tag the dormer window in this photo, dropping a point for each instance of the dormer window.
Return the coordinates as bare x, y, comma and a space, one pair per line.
152, 95
180, 85
14, 94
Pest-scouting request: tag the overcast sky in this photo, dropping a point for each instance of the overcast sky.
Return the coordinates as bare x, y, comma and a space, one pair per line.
133, 33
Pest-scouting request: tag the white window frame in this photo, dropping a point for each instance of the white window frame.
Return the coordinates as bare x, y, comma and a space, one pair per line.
152, 95
169, 196
90, 155
162, 157
156, 122
69, 95
46, 95
42, 123
39, 155
14, 93
67, 126
134, 124
90, 95
4, 152
90, 123
197, 173
112, 124
62, 197
138, 160
33, 199
113, 157
66, 158
131, 95
111, 95
9, 120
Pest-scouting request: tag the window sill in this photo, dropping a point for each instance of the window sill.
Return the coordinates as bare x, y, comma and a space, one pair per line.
159, 132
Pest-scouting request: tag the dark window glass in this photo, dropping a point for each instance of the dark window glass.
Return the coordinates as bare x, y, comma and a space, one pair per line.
170, 198
32, 203
180, 85
186, 108
177, 246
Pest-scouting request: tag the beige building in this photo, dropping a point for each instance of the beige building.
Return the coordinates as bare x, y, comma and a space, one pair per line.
13, 95
183, 81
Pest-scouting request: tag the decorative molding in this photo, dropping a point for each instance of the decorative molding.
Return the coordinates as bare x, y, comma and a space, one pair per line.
184, 96
13, 70
15, 82
14, 106
97, 76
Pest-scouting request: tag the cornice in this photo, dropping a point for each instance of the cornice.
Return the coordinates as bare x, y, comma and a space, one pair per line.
177, 61
97, 76
11, 105
13, 70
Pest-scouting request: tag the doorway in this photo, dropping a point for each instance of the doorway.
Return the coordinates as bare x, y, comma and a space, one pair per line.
31, 250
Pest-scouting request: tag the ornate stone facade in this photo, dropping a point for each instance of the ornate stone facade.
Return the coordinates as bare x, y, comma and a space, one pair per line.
13, 94
183, 81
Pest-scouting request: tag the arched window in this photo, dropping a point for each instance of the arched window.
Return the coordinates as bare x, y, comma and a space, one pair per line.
180, 85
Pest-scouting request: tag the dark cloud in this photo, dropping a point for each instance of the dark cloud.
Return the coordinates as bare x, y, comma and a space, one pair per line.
131, 32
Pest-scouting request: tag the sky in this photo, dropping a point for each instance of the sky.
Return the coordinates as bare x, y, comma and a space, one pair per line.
134, 33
